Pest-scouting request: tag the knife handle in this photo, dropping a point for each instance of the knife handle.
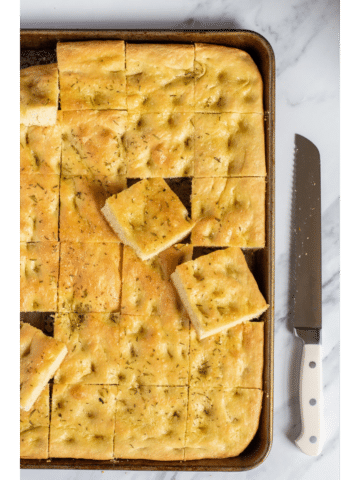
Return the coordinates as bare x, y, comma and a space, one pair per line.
311, 438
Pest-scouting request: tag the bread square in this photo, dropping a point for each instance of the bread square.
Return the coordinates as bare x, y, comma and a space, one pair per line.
81, 200
154, 350
40, 149
34, 428
232, 358
39, 207
150, 423
39, 272
159, 145
226, 80
221, 422
146, 285
40, 357
148, 217
90, 277
218, 291
160, 78
229, 212
82, 421
92, 340
39, 95
229, 145
92, 75
91, 142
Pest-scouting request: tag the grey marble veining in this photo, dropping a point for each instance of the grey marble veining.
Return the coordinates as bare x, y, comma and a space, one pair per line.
305, 37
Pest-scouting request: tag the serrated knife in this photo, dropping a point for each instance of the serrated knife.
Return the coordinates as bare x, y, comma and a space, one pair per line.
308, 289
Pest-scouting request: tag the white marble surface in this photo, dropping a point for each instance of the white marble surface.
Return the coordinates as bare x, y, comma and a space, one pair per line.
305, 37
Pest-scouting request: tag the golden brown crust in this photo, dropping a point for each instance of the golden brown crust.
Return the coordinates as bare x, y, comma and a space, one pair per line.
154, 350
160, 78
91, 142
159, 145
39, 207
221, 422
92, 341
90, 279
39, 271
39, 94
233, 358
146, 285
229, 145
34, 428
229, 212
81, 200
92, 75
150, 423
226, 80
40, 149
82, 421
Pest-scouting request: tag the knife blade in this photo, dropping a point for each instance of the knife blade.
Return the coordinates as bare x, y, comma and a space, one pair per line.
308, 291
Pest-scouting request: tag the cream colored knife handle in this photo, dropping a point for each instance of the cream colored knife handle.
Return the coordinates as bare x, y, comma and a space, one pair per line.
311, 438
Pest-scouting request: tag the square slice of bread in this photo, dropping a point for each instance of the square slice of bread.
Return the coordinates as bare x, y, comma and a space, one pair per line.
82, 421
229, 145
90, 277
40, 149
39, 207
159, 145
81, 200
229, 212
39, 272
221, 422
92, 75
40, 357
148, 217
39, 95
218, 291
150, 423
231, 358
34, 428
92, 340
226, 80
160, 78
146, 285
91, 142
154, 350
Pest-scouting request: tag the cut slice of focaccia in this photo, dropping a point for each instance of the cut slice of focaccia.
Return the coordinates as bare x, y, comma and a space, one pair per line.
40, 149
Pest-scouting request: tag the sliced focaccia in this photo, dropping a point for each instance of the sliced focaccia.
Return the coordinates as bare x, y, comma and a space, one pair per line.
40, 149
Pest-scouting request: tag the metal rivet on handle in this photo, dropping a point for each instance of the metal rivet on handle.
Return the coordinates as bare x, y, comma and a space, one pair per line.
312, 364
312, 402
313, 439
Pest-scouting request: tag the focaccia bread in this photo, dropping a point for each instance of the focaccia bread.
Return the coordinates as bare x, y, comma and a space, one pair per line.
39, 207
154, 350
229, 212
92, 340
40, 149
159, 145
82, 421
91, 142
90, 277
81, 200
160, 78
232, 358
221, 422
34, 428
150, 423
39, 271
146, 285
39, 94
40, 357
148, 217
226, 80
218, 291
229, 145
92, 75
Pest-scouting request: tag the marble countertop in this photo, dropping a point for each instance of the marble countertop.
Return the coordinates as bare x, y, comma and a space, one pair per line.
305, 37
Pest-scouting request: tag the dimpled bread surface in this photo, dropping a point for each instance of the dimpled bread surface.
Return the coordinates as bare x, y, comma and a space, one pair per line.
40, 149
